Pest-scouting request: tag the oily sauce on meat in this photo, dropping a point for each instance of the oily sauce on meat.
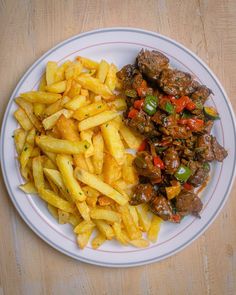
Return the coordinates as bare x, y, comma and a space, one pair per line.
166, 105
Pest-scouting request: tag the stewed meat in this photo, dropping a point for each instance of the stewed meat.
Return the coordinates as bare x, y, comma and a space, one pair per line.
174, 82
171, 160
199, 176
143, 193
219, 152
204, 143
160, 206
151, 63
126, 76
201, 93
188, 203
144, 166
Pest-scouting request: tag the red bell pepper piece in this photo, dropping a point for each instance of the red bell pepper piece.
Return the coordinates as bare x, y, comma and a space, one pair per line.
138, 104
190, 106
176, 218
158, 162
192, 123
133, 113
187, 186
142, 89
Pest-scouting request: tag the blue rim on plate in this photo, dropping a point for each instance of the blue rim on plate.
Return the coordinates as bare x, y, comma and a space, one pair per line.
3, 164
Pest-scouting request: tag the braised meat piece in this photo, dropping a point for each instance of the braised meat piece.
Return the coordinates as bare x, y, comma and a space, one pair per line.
201, 94
179, 132
171, 160
144, 166
143, 193
143, 124
204, 143
151, 63
188, 203
160, 206
200, 175
174, 82
126, 76
219, 152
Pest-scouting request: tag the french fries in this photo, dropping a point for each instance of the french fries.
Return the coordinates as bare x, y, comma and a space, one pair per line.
71, 147
99, 185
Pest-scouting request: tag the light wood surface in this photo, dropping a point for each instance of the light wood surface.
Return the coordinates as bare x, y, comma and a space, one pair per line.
28, 29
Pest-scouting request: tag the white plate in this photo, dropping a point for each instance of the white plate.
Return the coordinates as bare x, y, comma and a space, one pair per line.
120, 46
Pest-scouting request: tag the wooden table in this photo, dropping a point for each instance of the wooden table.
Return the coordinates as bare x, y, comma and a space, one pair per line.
27, 29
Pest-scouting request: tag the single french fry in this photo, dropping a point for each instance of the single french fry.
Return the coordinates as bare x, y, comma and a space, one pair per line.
87, 135
98, 241
131, 228
83, 210
39, 109
113, 142
111, 170
97, 120
99, 185
84, 226
40, 97
51, 69
28, 188
73, 70
82, 239
144, 217
76, 102
134, 215
98, 155
19, 138
63, 217
105, 201
53, 211
139, 243
111, 77
55, 177
53, 199
52, 108
58, 87
23, 119
108, 215
93, 84
61, 146
37, 168
102, 71
132, 140
43, 83
49, 122
154, 228
28, 108
88, 63
118, 233
31, 137
118, 104
105, 229
25, 154
64, 163
90, 110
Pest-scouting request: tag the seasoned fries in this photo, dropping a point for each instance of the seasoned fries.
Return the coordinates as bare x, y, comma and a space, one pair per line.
71, 146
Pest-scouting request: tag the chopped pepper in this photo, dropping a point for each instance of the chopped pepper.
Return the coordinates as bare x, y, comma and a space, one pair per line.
188, 186
150, 104
193, 124
169, 108
182, 103
173, 191
183, 173
138, 103
142, 89
133, 113
158, 162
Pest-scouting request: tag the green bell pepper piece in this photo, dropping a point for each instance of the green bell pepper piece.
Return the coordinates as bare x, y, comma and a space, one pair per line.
183, 173
150, 105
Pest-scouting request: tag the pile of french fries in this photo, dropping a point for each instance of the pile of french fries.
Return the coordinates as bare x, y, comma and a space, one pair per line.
72, 149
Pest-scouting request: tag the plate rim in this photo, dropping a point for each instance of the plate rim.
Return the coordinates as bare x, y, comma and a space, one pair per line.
42, 57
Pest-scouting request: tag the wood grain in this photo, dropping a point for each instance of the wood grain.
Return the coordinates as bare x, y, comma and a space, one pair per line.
27, 29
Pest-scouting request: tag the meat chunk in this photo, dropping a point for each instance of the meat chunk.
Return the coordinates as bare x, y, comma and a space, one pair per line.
204, 143
160, 206
199, 176
143, 163
179, 132
174, 82
201, 93
126, 76
143, 124
219, 152
151, 63
143, 193
171, 160
188, 203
